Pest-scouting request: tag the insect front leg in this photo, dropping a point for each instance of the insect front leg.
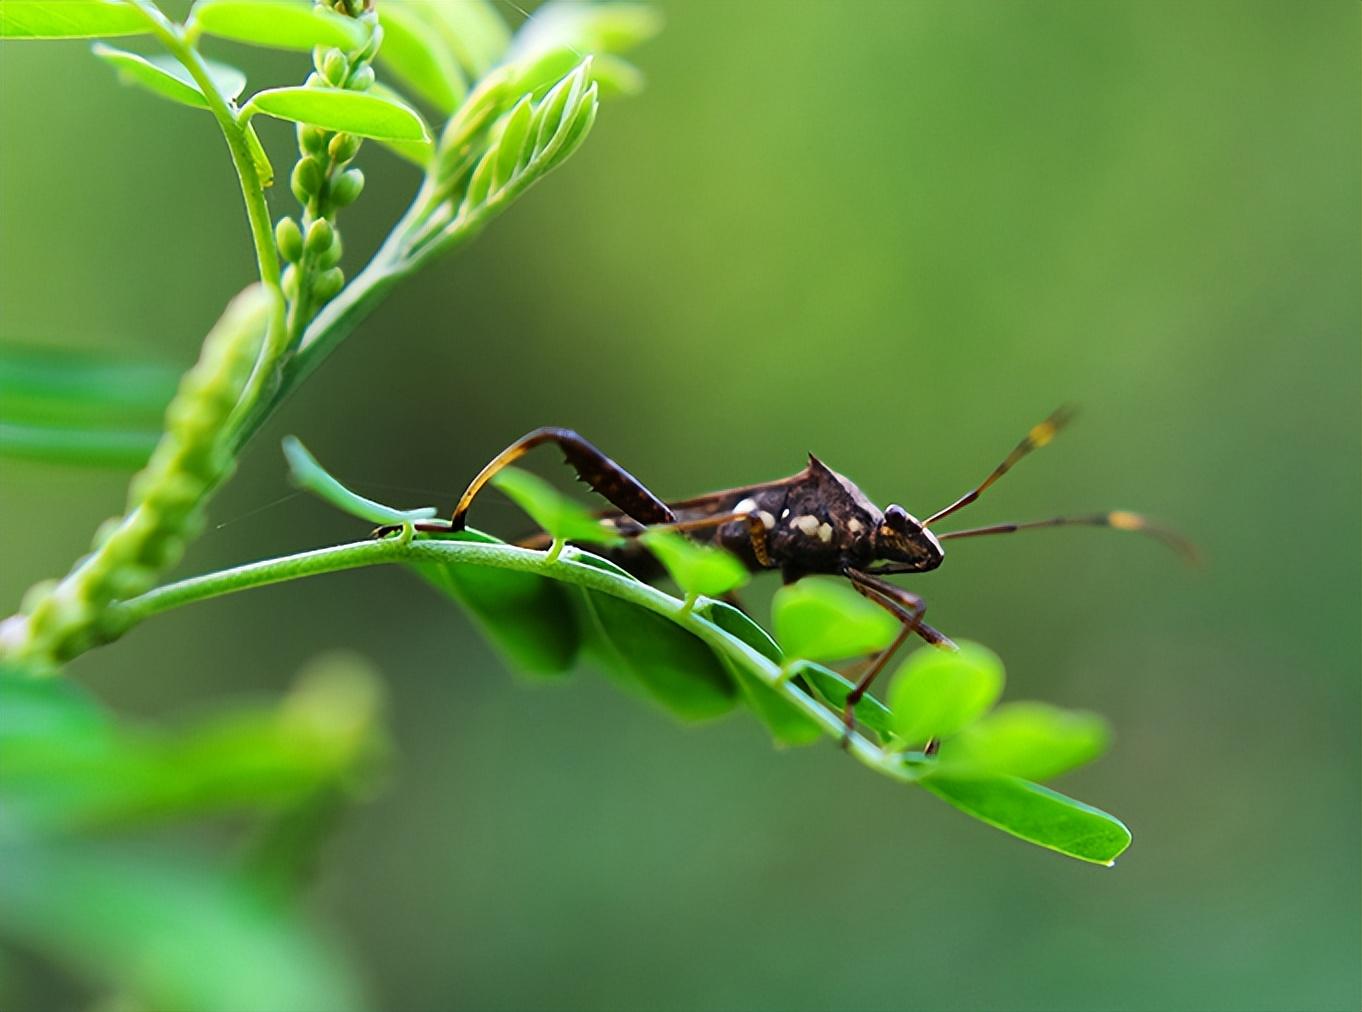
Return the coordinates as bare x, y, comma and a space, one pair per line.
603, 475
909, 609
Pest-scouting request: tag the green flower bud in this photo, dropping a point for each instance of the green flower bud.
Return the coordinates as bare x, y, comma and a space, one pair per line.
311, 139
289, 239
320, 235
346, 188
328, 284
334, 68
308, 177
343, 147
289, 283
330, 256
362, 79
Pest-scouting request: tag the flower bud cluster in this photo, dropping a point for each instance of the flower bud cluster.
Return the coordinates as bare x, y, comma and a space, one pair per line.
164, 504
323, 180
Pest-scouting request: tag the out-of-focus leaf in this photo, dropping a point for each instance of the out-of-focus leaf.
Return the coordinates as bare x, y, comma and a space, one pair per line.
168, 78
696, 568
353, 112
68, 19
650, 654
309, 475
1036, 814
44, 708
90, 447
77, 389
414, 52
834, 689
825, 620
556, 514
472, 29
936, 693
283, 24
1035, 741
586, 28
787, 724
529, 618
63, 767
175, 934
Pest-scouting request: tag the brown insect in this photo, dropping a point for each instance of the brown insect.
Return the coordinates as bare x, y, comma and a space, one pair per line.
815, 521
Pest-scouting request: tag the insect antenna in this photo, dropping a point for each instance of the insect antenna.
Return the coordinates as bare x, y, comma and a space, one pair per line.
1119, 520
1035, 439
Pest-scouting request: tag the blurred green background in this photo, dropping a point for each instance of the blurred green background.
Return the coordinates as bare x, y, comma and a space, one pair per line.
896, 234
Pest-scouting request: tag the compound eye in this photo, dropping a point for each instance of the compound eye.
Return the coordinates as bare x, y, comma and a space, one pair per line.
896, 518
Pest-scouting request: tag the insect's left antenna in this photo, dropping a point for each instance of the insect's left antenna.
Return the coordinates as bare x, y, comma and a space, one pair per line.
1035, 439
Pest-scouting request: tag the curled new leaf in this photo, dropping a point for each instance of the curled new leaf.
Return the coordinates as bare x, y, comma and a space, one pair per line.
309, 475
825, 620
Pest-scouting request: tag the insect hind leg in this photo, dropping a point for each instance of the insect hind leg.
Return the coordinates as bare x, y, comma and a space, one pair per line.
603, 475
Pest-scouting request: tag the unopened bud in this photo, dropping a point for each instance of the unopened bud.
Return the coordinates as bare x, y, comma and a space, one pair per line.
335, 67
290, 282
320, 235
311, 139
328, 284
307, 179
346, 188
330, 256
289, 238
343, 147
362, 79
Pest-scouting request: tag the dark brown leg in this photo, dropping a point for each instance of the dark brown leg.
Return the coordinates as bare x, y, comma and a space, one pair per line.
755, 528
904, 605
605, 477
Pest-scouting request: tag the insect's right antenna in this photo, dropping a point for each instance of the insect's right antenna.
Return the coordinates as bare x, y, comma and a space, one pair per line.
1119, 520
1035, 439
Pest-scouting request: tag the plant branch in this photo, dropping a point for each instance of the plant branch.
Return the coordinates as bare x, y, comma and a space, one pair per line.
565, 568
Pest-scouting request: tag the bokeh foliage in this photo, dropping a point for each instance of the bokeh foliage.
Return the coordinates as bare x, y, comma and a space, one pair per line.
961, 213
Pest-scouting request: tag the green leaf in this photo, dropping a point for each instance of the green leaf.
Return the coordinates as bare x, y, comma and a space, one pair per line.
168, 78
1036, 814
822, 619
283, 24
472, 29
413, 51
310, 476
529, 618
936, 692
353, 112
48, 709
556, 514
1035, 741
834, 689
787, 723
81, 447
172, 932
69, 19
696, 568
586, 28
64, 767
79, 389
657, 658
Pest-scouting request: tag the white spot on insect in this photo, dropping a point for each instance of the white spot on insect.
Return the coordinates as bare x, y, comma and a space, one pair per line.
806, 524
748, 505
766, 519
825, 533
854, 526
784, 514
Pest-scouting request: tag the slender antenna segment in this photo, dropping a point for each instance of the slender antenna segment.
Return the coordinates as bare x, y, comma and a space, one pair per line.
1119, 520
1035, 439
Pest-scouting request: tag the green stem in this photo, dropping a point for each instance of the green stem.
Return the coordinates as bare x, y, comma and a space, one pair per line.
368, 553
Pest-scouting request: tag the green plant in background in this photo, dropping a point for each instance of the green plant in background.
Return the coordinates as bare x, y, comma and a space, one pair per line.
484, 114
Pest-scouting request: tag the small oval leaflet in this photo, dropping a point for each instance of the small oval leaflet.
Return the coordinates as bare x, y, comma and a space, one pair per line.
348, 111
820, 619
937, 693
166, 77
281, 24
